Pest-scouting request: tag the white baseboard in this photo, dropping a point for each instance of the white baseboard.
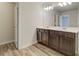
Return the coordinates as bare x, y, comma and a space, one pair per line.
27, 45
2, 43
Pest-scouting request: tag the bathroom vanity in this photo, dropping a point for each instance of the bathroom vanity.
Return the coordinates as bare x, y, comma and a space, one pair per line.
64, 40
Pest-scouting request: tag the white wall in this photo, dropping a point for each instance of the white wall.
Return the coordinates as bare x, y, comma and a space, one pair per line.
30, 17
6, 22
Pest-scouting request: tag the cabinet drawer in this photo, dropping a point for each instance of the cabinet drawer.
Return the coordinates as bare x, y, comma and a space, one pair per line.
41, 30
57, 33
69, 35
46, 31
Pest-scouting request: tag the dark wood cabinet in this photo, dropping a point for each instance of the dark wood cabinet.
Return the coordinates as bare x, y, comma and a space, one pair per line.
45, 37
39, 36
67, 44
42, 36
53, 40
63, 42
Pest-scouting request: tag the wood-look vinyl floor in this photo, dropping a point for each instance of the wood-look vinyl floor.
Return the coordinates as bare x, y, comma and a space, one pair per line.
34, 50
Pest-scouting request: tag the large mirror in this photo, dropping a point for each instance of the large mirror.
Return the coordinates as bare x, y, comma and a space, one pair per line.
63, 14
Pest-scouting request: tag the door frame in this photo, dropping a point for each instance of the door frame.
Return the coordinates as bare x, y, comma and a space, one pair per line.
17, 25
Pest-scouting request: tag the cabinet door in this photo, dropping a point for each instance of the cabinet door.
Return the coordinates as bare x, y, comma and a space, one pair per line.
39, 36
53, 40
45, 37
67, 45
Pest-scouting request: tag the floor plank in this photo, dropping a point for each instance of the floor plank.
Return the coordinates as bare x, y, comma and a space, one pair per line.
34, 50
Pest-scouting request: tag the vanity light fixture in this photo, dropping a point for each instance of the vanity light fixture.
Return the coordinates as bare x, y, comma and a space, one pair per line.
62, 4
48, 8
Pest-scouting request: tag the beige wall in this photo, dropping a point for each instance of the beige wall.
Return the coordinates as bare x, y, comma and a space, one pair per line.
6, 22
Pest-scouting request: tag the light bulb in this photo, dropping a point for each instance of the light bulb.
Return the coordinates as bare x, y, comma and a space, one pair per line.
46, 8
64, 3
50, 7
60, 4
69, 3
